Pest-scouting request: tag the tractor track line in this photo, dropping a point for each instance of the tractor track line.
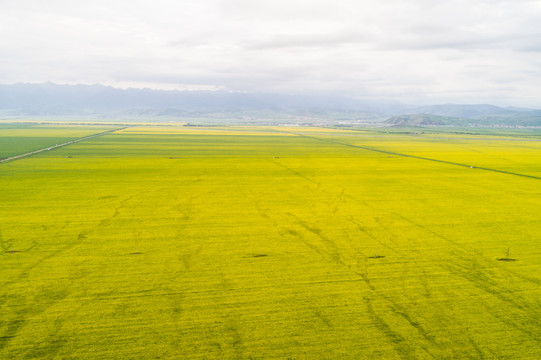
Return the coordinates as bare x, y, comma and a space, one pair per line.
21, 156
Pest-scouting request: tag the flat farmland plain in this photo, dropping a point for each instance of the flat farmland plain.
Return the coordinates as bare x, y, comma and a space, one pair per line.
272, 243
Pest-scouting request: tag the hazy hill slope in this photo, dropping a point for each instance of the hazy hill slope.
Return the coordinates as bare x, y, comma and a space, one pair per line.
420, 120
463, 110
524, 119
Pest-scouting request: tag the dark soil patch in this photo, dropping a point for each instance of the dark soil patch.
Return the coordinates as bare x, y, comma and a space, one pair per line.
107, 197
136, 253
13, 251
506, 259
376, 257
259, 255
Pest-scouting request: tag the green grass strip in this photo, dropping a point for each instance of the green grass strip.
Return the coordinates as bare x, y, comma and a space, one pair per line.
21, 156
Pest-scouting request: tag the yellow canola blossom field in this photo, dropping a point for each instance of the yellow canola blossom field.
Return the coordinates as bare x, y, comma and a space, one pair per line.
272, 243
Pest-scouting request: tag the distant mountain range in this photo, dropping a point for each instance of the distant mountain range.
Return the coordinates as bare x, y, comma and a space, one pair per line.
98, 101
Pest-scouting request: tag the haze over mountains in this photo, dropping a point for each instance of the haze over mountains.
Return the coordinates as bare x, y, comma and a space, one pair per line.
98, 101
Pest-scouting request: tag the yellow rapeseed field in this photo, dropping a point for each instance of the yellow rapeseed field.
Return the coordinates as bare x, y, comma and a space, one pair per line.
271, 243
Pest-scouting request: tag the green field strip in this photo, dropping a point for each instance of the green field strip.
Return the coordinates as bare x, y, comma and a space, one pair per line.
56, 146
418, 157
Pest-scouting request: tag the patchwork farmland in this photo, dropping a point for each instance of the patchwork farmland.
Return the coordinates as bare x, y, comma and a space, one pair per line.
269, 243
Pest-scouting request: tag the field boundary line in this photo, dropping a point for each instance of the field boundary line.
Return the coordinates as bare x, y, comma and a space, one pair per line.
21, 156
418, 157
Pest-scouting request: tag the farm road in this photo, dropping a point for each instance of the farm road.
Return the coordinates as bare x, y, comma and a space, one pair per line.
17, 157
416, 157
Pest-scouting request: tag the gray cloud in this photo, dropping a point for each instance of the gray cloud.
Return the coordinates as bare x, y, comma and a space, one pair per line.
410, 50
322, 40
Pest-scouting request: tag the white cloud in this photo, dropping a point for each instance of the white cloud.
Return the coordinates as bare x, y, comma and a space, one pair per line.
416, 50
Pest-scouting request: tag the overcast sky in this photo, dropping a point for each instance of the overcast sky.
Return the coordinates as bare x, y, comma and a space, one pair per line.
416, 51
